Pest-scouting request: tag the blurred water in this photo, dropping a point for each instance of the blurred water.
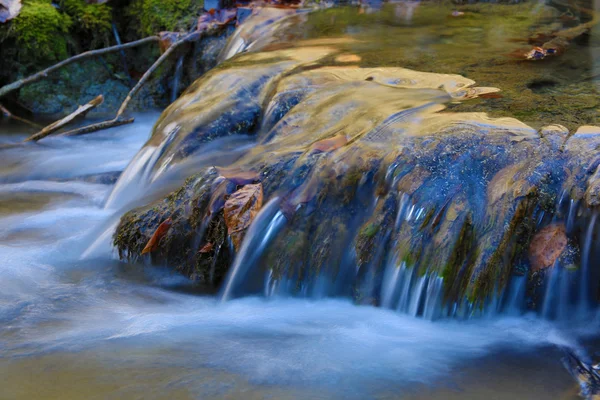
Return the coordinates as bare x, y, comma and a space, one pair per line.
102, 329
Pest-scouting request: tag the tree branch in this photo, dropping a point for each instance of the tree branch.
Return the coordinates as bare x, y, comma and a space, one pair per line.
81, 111
4, 90
118, 120
8, 114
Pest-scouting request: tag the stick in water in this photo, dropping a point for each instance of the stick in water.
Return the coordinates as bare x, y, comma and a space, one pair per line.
80, 112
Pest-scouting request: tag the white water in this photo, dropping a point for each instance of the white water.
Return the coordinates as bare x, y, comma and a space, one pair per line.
55, 305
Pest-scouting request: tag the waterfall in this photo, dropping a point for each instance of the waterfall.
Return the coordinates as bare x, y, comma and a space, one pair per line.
177, 78
262, 230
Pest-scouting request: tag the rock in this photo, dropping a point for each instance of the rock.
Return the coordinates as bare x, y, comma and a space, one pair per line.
367, 167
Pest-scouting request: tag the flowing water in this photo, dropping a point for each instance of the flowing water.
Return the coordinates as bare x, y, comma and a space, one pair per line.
78, 324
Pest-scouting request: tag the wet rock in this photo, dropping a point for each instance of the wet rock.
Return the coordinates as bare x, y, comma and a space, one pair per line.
366, 172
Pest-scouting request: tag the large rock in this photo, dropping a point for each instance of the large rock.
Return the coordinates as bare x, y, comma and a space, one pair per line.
367, 170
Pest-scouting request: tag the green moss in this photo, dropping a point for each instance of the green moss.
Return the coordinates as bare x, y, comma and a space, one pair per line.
41, 32
152, 16
91, 21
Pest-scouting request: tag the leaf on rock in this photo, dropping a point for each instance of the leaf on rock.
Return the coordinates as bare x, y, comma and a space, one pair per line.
546, 246
9, 9
162, 229
214, 18
207, 248
240, 210
330, 144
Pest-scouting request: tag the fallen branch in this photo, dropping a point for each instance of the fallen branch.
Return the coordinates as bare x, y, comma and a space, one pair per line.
8, 114
81, 111
118, 120
4, 90
98, 127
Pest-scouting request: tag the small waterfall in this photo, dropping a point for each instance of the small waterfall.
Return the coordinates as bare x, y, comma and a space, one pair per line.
177, 78
515, 298
263, 229
584, 292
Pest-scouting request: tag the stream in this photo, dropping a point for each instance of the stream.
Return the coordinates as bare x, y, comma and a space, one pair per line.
101, 329
78, 323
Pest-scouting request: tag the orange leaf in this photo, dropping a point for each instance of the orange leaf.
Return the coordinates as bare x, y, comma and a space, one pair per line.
240, 210
329, 144
207, 248
546, 246
162, 229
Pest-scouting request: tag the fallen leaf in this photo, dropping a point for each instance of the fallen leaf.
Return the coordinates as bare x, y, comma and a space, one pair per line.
546, 246
218, 17
162, 229
207, 248
330, 144
240, 210
9, 9
491, 96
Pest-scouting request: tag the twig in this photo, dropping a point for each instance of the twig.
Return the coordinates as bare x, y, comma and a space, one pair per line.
42, 74
8, 114
118, 120
98, 126
81, 111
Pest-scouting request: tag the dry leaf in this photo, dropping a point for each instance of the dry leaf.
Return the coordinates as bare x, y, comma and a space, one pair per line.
9, 9
216, 18
162, 229
240, 210
546, 246
207, 248
329, 144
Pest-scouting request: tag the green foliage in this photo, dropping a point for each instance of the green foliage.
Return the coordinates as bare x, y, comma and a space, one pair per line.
91, 21
152, 16
41, 32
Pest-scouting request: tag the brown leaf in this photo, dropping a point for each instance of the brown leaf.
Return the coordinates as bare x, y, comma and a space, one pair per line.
207, 248
218, 17
9, 9
546, 246
491, 96
330, 144
240, 210
162, 229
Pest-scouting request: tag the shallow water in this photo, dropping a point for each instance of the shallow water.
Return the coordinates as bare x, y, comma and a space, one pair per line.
102, 329
95, 328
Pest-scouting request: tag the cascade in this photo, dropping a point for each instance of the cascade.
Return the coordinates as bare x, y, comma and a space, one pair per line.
373, 189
